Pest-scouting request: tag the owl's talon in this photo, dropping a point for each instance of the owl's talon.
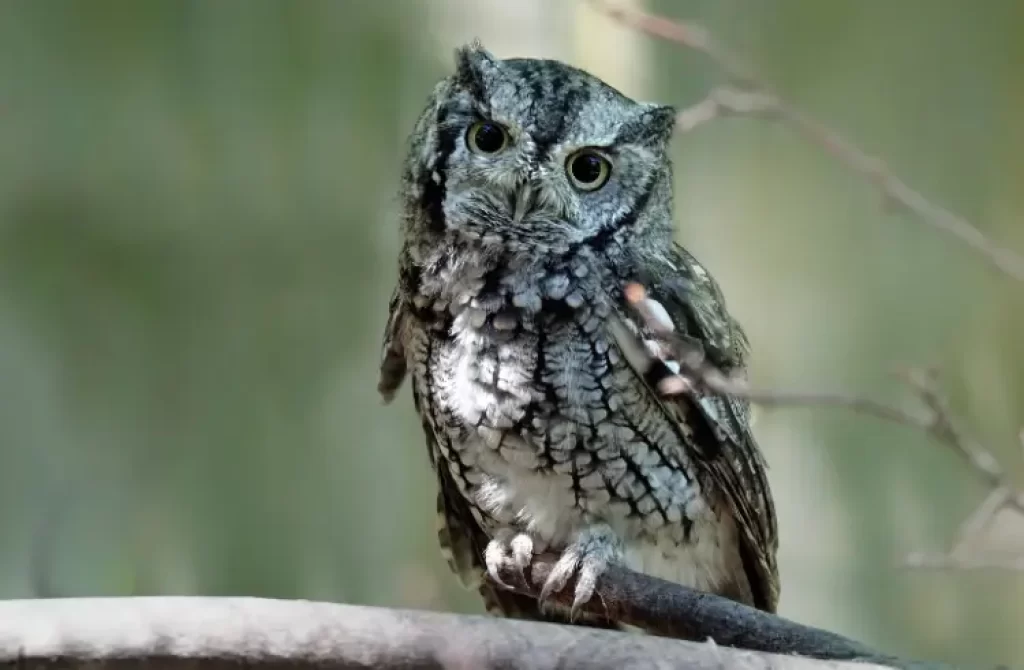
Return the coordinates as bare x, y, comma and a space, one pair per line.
522, 554
588, 557
560, 575
508, 550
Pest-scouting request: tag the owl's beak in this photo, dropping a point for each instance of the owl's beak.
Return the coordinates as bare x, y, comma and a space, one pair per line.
526, 197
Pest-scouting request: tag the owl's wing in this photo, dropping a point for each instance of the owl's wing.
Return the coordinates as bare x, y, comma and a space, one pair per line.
393, 365
718, 426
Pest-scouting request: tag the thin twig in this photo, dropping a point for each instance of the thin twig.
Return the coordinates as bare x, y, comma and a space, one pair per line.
949, 561
753, 97
722, 102
756, 98
980, 519
696, 374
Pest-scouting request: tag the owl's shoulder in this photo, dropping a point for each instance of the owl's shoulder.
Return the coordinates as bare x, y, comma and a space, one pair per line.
688, 291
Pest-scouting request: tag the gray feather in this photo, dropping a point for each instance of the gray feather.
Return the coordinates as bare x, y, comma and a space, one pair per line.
510, 274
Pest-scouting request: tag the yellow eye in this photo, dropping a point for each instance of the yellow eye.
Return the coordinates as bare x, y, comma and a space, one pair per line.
486, 137
588, 170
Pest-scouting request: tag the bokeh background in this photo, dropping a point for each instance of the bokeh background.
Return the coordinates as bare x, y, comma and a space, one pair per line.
198, 230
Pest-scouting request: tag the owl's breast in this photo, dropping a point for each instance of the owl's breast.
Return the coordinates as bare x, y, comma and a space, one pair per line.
545, 428
549, 415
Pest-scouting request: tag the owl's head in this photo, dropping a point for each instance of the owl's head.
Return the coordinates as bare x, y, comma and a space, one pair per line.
527, 152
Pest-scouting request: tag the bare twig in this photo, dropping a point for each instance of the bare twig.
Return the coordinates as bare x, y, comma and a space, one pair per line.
695, 373
950, 561
722, 102
964, 554
944, 429
213, 633
975, 524
754, 97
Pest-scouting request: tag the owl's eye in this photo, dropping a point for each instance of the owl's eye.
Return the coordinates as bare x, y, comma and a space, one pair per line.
588, 170
485, 137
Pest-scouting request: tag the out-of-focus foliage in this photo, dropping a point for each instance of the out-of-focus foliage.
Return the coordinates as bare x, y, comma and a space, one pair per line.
197, 239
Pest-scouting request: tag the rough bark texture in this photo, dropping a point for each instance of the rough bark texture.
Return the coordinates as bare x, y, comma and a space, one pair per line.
208, 633
668, 609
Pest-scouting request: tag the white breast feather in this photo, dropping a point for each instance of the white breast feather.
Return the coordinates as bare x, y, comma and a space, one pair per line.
544, 504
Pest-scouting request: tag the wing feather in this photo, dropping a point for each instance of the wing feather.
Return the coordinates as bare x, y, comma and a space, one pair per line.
722, 440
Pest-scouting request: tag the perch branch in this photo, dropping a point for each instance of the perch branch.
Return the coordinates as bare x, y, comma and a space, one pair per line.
671, 610
695, 373
753, 97
171, 633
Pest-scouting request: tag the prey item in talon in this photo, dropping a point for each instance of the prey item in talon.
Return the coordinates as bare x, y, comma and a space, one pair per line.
532, 195
655, 316
649, 345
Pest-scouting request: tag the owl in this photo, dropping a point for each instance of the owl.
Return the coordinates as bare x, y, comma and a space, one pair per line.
533, 193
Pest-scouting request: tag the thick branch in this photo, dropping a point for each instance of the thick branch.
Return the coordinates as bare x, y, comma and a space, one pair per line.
669, 609
208, 633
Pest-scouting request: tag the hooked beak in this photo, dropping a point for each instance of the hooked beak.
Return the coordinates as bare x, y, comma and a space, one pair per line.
526, 198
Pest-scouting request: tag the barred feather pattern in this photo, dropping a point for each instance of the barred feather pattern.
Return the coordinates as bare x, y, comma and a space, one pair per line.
541, 418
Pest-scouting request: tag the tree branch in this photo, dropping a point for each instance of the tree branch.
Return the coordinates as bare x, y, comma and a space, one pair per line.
672, 610
755, 98
208, 633
696, 374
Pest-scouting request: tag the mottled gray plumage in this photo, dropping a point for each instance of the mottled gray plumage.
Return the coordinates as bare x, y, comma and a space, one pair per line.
544, 432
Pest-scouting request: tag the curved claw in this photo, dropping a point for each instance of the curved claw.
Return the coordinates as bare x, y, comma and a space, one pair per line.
587, 558
522, 554
494, 558
508, 550
560, 574
585, 585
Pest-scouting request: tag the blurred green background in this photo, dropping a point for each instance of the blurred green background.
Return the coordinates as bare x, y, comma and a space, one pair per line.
198, 234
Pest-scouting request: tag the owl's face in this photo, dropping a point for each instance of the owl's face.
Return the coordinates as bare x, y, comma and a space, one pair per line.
525, 152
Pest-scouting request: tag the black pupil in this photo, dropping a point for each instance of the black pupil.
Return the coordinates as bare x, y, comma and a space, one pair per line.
586, 169
489, 137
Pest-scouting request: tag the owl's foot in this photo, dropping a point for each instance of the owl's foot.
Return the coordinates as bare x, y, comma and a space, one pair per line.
587, 557
509, 549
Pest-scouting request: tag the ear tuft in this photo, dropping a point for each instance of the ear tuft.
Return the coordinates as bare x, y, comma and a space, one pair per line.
473, 63
660, 122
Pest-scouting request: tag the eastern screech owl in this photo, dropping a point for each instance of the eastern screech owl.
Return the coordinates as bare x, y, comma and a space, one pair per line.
533, 193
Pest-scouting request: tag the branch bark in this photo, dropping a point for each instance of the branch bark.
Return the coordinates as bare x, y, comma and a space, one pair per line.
212, 633
671, 610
